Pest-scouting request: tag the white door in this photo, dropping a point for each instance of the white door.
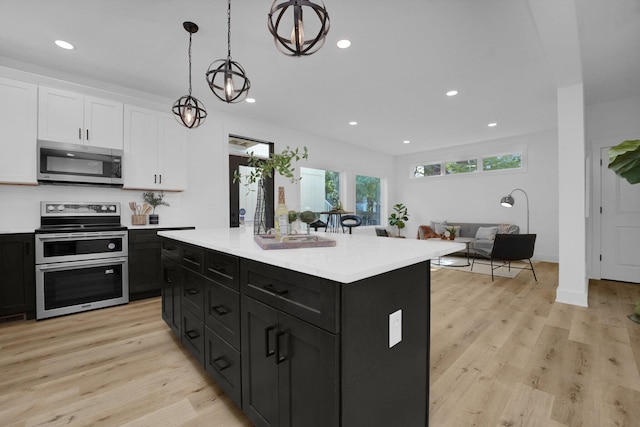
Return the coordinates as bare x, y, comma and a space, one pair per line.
140, 167
172, 156
60, 115
619, 225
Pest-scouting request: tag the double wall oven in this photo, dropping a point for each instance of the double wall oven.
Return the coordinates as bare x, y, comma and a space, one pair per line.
81, 258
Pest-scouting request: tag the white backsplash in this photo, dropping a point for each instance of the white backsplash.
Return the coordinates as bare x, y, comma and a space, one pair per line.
20, 204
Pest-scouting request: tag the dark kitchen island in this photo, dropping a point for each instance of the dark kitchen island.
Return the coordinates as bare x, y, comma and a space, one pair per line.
333, 336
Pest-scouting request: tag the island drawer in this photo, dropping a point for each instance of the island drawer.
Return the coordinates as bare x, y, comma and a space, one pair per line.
193, 335
193, 292
309, 298
222, 362
171, 248
222, 268
222, 311
192, 258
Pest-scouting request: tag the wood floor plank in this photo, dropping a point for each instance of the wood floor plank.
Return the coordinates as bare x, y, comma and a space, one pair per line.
503, 353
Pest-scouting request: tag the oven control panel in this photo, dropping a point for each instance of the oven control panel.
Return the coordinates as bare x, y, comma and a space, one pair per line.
79, 209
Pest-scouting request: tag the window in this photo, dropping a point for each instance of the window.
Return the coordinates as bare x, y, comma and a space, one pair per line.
481, 164
319, 189
427, 170
508, 161
368, 201
463, 166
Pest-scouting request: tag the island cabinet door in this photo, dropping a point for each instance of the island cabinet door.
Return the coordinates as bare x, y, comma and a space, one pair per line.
172, 294
259, 369
290, 369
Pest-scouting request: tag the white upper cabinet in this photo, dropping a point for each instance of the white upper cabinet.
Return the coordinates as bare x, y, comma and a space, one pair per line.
154, 151
73, 118
18, 124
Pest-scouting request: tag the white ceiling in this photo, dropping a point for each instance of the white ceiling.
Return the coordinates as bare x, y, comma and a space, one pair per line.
405, 55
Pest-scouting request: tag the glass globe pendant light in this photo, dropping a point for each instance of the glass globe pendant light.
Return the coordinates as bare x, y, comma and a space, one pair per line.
188, 110
291, 32
226, 78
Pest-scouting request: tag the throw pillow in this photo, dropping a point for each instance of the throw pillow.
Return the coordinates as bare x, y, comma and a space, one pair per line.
504, 228
486, 233
440, 227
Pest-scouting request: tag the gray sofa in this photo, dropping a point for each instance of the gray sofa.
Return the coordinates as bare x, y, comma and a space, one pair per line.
481, 246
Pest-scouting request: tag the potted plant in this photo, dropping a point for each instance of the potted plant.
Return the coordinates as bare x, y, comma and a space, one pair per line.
265, 168
624, 160
154, 201
635, 316
450, 232
399, 217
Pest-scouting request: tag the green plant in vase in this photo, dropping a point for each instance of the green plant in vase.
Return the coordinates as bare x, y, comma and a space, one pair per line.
635, 316
154, 201
280, 163
399, 217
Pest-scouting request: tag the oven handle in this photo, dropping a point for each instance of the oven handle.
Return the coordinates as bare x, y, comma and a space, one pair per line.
88, 263
93, 235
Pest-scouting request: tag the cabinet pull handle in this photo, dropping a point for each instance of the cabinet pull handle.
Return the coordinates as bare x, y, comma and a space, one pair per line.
167, 279
87, 134
273, 289
192, 334
192, 291
220, 309
80, 134
267, 350
155, 178
282, 356
160, 179
221, 363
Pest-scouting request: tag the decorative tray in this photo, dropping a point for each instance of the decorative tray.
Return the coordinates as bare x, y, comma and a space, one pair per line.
268, 241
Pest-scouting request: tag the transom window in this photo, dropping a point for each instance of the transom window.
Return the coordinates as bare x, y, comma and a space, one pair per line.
483, 164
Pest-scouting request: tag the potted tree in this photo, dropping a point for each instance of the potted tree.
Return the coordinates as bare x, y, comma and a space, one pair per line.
154, 201
280, 163
399, 217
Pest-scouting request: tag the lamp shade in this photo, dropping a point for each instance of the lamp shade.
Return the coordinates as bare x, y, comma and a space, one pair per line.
507, 201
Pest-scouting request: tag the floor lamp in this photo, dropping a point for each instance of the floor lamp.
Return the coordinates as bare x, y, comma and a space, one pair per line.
508, 202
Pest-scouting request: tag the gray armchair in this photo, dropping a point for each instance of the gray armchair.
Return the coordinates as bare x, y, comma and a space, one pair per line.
510, 247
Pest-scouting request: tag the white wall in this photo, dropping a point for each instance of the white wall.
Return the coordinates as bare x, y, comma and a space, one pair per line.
206, 201
608, 124
476, 197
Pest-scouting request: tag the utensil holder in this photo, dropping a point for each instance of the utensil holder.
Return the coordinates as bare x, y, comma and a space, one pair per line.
138, 219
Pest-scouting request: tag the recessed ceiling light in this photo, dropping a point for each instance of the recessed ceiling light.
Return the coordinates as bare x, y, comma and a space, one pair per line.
343, 44
492, 125
250, 100
353, 123
406, 141
452, 93
63, 44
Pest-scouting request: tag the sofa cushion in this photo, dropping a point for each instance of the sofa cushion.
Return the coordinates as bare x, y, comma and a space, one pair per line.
486, 233
439, 226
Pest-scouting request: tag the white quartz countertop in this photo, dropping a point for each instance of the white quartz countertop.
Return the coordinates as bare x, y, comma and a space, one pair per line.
354, 257
17, 230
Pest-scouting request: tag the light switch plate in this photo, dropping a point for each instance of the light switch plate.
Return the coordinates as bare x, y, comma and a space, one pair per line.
395, 328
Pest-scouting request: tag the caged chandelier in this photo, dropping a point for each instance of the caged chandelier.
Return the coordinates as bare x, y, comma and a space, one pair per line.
226, 78
188, 110
297, 42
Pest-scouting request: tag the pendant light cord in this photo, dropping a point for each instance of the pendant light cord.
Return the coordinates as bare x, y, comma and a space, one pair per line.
190, 34
229, 28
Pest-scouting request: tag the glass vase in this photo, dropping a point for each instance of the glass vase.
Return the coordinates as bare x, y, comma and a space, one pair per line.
260, 216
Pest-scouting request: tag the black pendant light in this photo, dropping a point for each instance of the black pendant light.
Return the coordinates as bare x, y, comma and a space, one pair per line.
291, 33
188, 110
227, 79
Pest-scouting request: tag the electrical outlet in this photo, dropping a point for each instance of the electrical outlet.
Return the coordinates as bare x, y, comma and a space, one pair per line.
395, 328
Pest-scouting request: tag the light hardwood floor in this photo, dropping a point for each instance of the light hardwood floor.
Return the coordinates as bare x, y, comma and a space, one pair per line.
502, 354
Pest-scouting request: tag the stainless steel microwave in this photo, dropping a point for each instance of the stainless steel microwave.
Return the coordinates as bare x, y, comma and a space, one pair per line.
61, 163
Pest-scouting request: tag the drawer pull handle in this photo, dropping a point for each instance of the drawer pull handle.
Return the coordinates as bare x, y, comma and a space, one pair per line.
267, 348
273, 289
192, 291
221, 363
192, 334
221, 310
281, 355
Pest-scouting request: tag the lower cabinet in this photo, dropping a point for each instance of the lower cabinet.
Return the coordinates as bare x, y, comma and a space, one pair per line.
145, 272
17, 276
289, 368
172, 294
